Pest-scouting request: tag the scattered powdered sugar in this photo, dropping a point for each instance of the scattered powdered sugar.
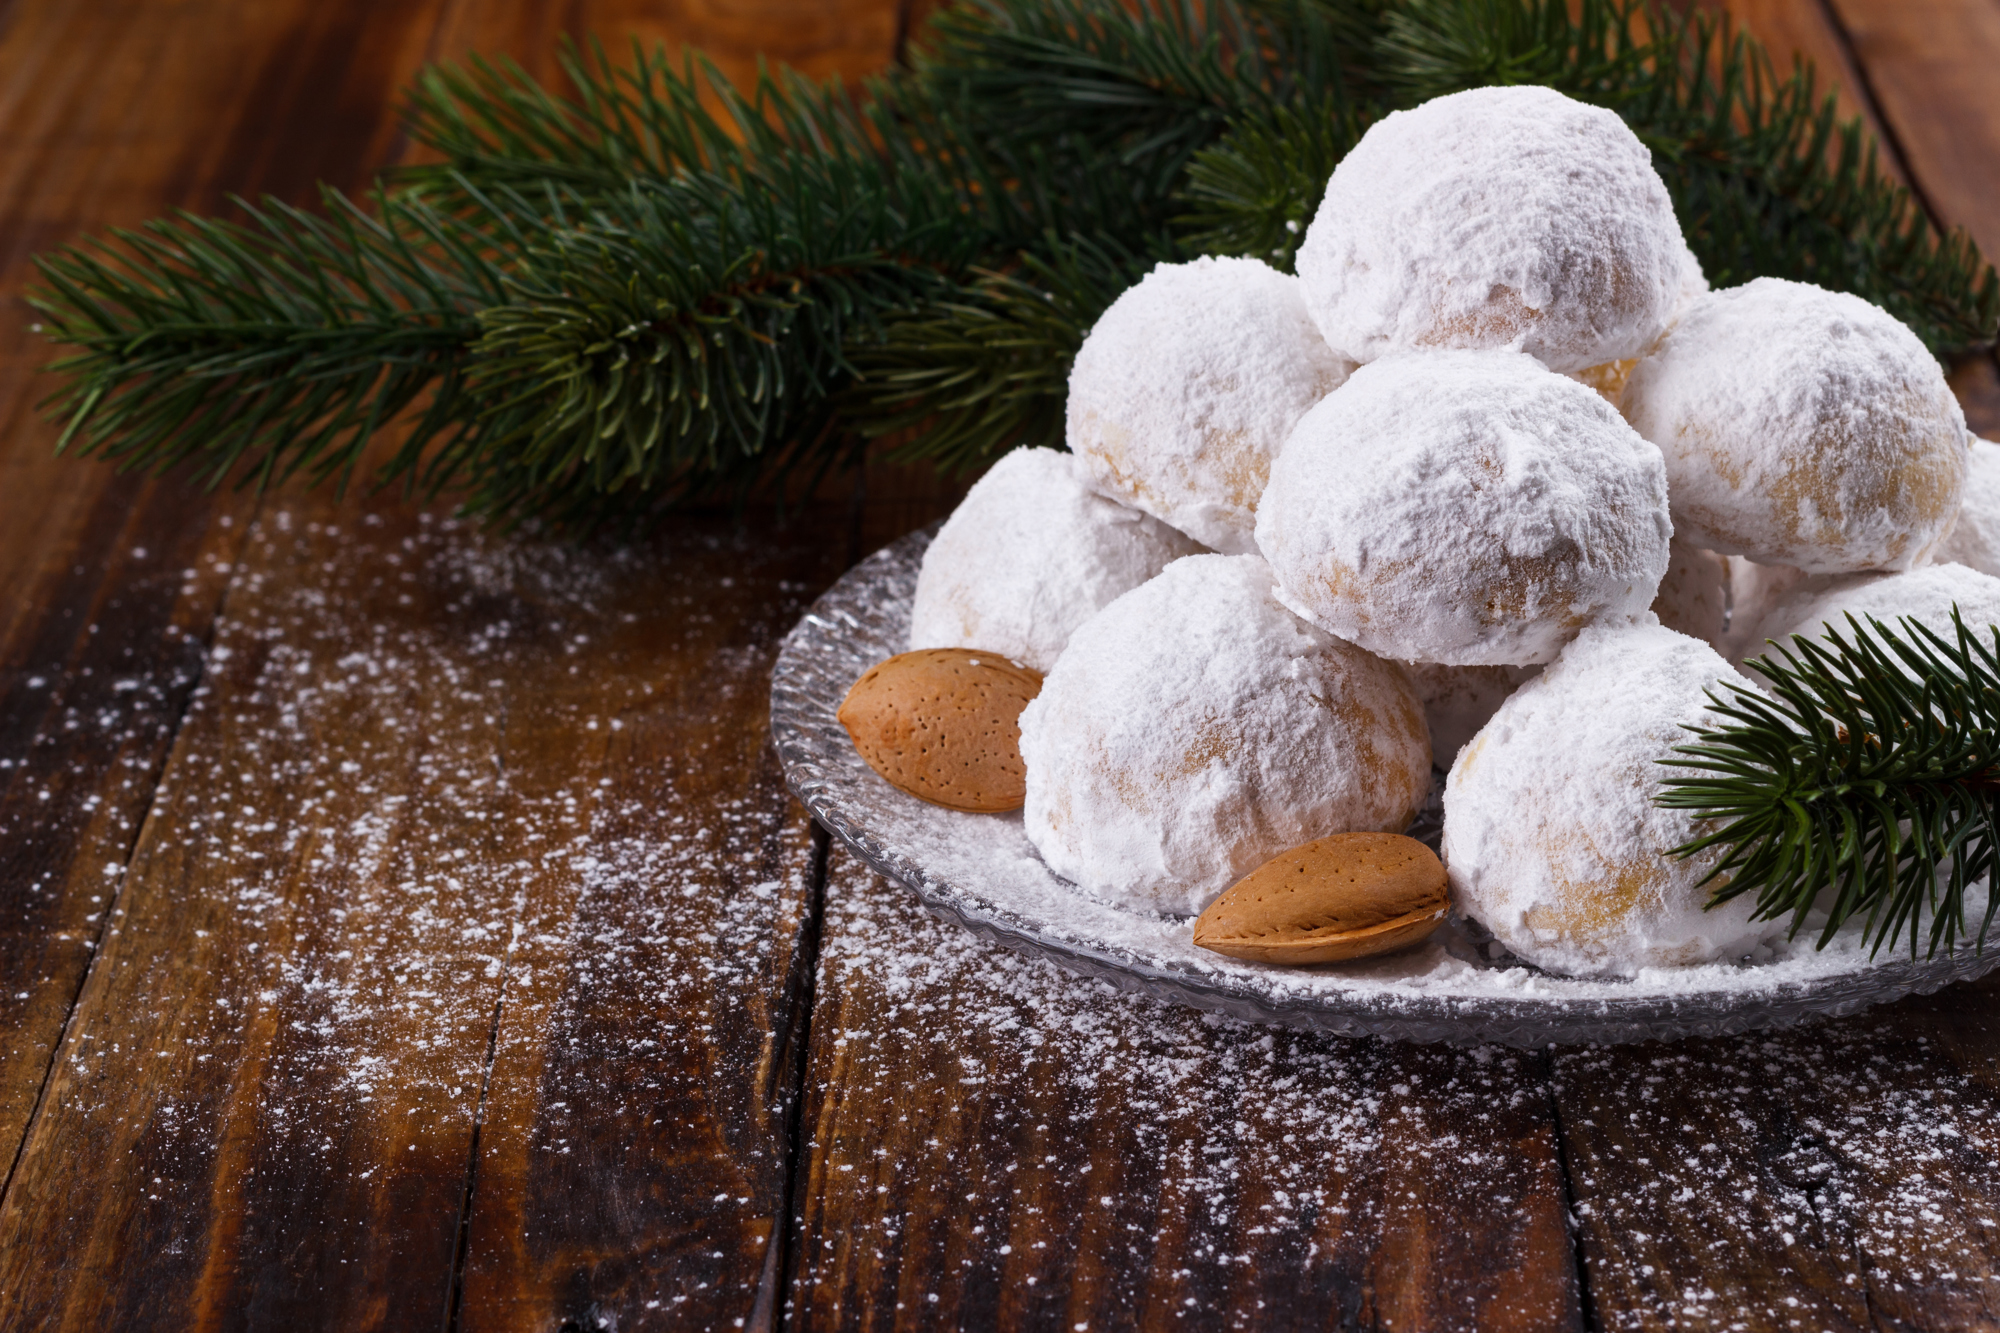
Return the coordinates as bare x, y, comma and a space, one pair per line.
1194, 1166
1459, 699
1802, 427
1030, 554
1694, 596
1496, 217
1196, 728
1185, 390
1975, 538
437, 792
1926, 595
1551, 835
1469, 508
1855, 1155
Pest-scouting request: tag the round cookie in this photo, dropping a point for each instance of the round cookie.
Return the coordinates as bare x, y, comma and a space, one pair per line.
1551, 837
1468, 508
1195, 728
1458, 700
1926, 595
1029, 554
1975, 539
1496, 217
1802, 427
1186, 388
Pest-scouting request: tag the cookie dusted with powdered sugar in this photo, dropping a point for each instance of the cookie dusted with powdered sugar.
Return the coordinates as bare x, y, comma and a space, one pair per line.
1551, 836
1496, 217
1195, 728
1926, 595
1186, 388
1030, 554
1802, 427
1468, 508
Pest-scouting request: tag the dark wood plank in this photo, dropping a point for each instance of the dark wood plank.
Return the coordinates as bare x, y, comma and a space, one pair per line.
117, 112
431, 769
636, 1145
995, 1144
1845, 1175
1929, 67
634, 1156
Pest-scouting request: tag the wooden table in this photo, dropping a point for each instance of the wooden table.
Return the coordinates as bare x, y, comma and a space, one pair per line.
409, 928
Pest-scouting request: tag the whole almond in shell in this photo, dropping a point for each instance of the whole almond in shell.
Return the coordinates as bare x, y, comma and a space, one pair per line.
1347, 896
944, 725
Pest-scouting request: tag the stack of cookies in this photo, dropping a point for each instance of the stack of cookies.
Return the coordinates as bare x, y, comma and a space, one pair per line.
1495, 483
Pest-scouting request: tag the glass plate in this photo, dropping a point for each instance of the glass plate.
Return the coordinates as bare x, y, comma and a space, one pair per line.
1459, 986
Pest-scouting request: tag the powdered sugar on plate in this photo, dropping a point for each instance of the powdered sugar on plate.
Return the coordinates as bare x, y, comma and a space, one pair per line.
981, 871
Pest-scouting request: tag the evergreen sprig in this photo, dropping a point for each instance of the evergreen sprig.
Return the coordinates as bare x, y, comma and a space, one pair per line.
283, 341
666, 287
1866, 782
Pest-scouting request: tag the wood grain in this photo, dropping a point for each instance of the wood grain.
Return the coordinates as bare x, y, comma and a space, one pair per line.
1930, 67
436, 783
268, 1098
1845, 1175
996, 1144
634, 1157
116, 113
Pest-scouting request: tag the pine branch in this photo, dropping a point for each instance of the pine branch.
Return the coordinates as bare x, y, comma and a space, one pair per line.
663, 287
281, 343
968, 377
1867, 782
1256, 191
609, 380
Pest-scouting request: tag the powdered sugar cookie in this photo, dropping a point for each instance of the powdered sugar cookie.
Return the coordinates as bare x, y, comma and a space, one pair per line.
1802, 427
1926, 595
1186, 388
1195, 728
1551, 836
1468, 508
1030, 554
1610, 378
1975, 538
1496, 217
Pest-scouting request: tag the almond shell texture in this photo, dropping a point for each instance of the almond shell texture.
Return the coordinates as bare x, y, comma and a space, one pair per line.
944, 725
1350, 895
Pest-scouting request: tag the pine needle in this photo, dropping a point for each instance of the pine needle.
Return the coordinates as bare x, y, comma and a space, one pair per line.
1866, 783
665, 288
